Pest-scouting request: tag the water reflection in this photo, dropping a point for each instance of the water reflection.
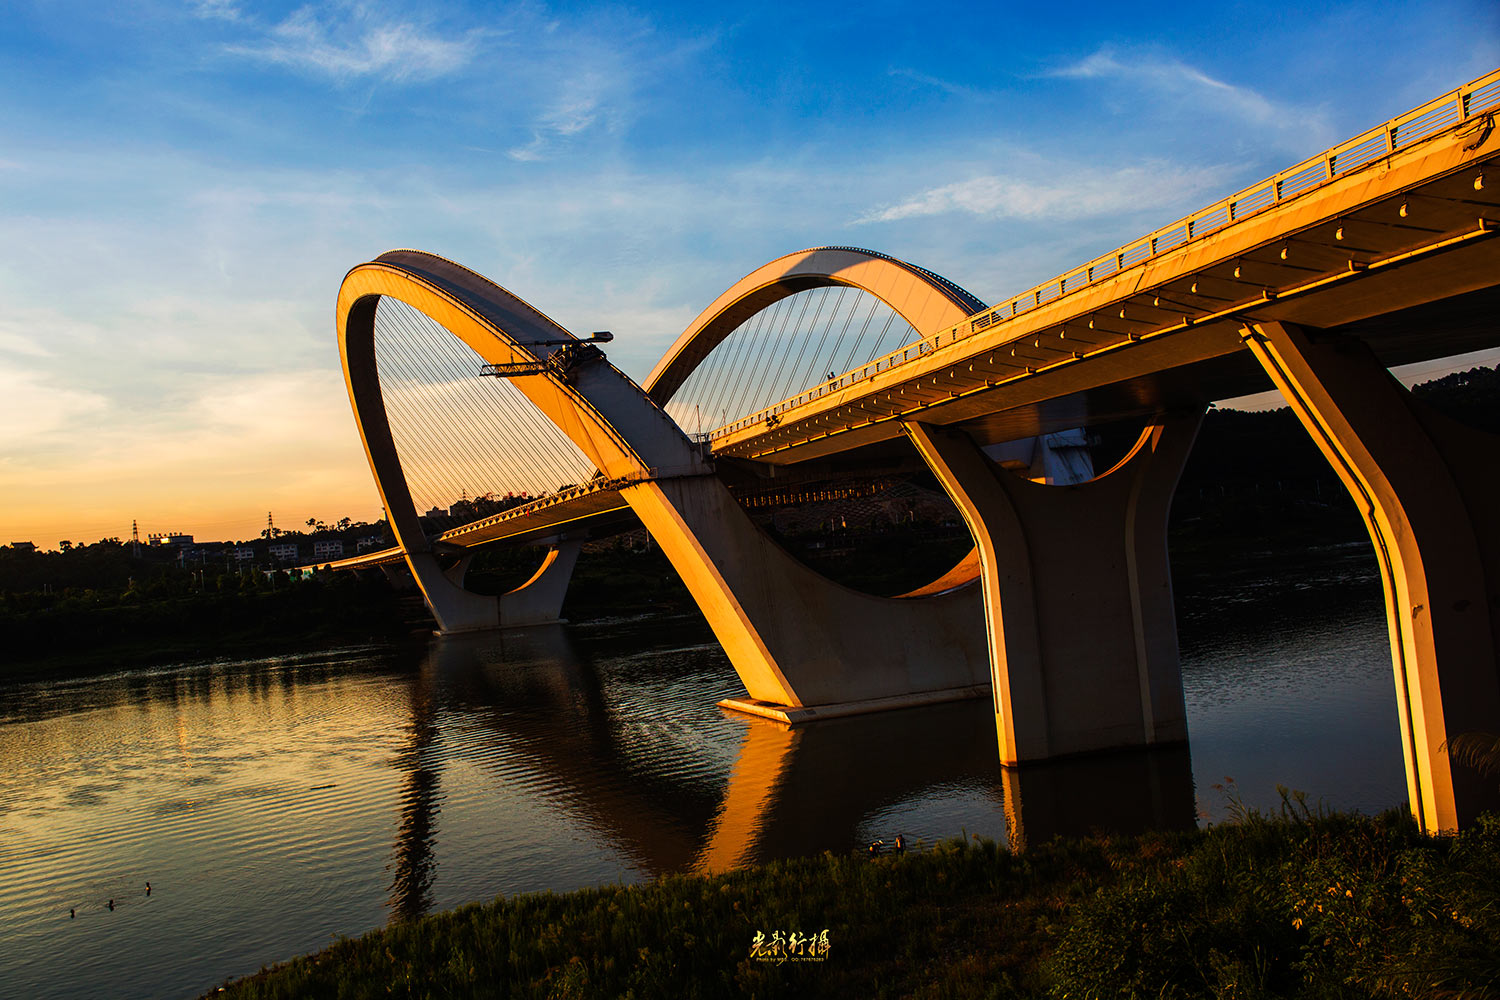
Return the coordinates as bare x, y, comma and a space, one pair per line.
640, 773
530, 698
1128, 791
412, 862
788, 792
276, 803
1288, 680
822, 783
797, 792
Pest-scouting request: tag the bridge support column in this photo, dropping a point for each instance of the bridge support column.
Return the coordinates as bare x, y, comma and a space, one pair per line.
540, 599
454, 608
804, 646
537, 601
400, 577
1077, 594
1428, 489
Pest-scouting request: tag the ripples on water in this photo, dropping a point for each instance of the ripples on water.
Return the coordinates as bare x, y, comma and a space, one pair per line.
276, 804
1289, 681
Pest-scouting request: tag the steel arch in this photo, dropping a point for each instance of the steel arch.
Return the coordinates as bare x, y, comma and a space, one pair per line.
926, 300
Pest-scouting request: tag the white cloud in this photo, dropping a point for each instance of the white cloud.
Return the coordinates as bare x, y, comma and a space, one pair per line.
33, 407
1173, 80
348, 42
1170, 75
587, 76
575, 110
550, 81
1061, 198
217, 10
12, 342
946, 86
580, 100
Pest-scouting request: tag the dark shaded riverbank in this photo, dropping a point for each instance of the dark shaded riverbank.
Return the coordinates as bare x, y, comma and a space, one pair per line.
1296, 906
79, 632
1255, 490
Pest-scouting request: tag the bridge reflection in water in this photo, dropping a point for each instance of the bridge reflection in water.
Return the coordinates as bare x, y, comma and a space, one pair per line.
412, 865
835, 786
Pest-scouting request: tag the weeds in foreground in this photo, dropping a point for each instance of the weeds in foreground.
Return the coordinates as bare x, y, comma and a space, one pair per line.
1300, 904
1305, 904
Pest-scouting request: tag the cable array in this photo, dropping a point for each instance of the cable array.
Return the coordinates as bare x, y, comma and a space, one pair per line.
791, 345
469, 445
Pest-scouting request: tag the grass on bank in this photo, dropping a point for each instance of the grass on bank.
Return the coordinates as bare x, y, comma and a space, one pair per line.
1293, 906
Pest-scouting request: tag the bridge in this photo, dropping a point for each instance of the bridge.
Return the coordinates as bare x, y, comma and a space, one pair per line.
837, 362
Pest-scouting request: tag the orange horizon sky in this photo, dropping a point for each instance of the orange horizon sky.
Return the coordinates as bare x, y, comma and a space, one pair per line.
184, 186
181, 487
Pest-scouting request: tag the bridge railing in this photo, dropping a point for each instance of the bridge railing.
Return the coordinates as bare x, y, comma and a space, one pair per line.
598, 485
1472, 100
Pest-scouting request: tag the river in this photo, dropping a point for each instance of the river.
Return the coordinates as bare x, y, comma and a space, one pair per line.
276, 804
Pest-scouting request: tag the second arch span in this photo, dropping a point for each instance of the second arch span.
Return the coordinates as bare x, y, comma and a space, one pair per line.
804, 646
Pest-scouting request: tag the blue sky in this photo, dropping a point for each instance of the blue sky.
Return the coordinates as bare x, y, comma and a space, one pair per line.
183, 184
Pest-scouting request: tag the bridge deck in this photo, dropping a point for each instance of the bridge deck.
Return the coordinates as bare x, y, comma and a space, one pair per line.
1402, 227
1388, 236
532, 523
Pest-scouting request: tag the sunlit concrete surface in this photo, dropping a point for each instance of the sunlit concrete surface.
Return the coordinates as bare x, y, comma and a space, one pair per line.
1379, 251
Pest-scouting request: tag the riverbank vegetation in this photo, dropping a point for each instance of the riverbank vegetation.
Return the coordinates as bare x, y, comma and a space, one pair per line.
1254, 488
1299, 905
1255, 482
178, 615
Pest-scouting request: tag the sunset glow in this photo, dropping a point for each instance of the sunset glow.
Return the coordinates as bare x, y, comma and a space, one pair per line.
184, 185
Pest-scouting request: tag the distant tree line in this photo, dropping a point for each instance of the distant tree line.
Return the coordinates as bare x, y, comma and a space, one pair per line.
1253, 475
1259, 478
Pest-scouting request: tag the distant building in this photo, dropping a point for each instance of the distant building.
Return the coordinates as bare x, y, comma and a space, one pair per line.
169, 538
331, 549
369, 542
284, 552
244, 554
436, 512
23, 546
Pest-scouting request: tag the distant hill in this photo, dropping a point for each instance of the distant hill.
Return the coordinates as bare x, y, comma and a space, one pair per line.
1258, 477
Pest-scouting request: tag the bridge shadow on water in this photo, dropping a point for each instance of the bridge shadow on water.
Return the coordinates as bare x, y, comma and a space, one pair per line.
649, 767
412, 865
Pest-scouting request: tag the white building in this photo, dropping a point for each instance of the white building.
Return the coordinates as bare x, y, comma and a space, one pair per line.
332, 549
284, 552
169, 538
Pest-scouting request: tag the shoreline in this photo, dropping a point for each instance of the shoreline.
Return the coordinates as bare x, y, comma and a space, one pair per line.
118, 634
1302, 904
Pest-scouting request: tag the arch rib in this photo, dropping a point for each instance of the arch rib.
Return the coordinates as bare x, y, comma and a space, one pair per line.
498, 327
795, 638
928, 302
